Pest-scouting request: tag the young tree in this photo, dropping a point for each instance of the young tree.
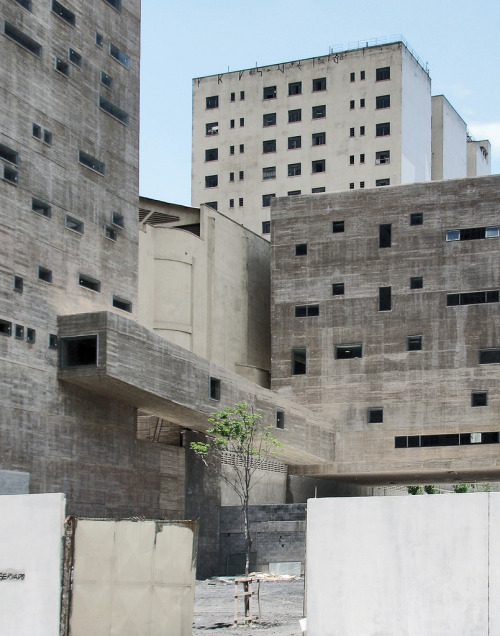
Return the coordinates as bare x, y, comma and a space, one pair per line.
238, 429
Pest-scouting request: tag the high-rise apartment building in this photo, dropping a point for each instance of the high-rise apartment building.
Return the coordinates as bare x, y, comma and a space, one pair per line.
350, 120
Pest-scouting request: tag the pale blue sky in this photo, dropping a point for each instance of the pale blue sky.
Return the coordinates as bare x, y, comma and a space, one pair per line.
180, 40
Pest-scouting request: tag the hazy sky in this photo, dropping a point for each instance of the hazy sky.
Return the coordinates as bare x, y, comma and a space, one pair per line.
180, 40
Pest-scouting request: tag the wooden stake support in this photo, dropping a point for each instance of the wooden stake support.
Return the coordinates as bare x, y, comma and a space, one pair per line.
247, 594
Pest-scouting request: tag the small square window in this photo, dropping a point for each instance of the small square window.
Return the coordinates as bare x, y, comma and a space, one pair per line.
10, 175
299, 361
19, 332
242, 122
5, 328
44, 274
70, 223
280, 418
212, 128
318, 166
294, 115
269, 92
382, 130
301, 249
479, 398
106, 80
240, 202
98, 39
214, 389
211, 154
212, 102
211, 181
295, 88
122, 303
384, 299
110, 232
269, 146
36, 131
75, 58
416, 282
47, 137
361, 184
414, 343
64, 13
294, 142
62, 66
53, 341
319, 84
453, 235
375, 415
338, 289
383, 73
30, 335
416, 218
337, 226
18, 283
79, 351
294, 169
266, 227
319, 139
353, 77
117, 219
269, 119
318, 112
42, 208
351, 104
266, 200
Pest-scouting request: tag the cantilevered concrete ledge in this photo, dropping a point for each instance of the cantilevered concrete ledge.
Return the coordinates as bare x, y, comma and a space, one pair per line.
146, 371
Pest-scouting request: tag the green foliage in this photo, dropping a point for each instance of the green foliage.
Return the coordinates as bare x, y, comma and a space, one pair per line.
430, 490
460, 488
415, 490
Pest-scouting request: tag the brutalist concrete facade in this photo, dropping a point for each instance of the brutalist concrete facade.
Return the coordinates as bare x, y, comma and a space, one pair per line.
388, 299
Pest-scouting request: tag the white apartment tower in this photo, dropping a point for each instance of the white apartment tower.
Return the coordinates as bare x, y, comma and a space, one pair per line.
356, 119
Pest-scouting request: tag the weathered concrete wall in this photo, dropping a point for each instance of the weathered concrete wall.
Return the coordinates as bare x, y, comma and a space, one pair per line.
403, 565
278, 536
31, 532
421, 392
478, 158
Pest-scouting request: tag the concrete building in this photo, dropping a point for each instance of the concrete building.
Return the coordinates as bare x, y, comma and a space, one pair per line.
386, 302
350, 120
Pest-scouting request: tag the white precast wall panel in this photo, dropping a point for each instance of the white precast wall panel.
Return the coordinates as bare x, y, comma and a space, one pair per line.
396, 566
31, 531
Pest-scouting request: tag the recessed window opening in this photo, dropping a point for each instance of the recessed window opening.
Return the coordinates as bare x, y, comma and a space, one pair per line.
317, 190
231, 123
22, 39
382, 130
375, 415
266, 227
337, 227
79, 351
62, 66
294, 169
53, 341
212, 154
299, 361
75, 225
233, 97
319, 84
348, 351
362, 102
416, 282
361, 131
382, 182
479, 398
269, 92
294, 142
416, 218
242, 148
269, 119
383, 73
294, 115
106, 80
240, 202
213, 102
473, 298
7, 154
294, 193
301, 249
75, 57
89, 282
118, 219
269, 146
489, 356
231, 177
214, 388
318, 166
351, 132
384, 235
338, 289
266, 199
91, 162
5, 328
26, 4
113, 110
210, 204
413, 343
119, 55
269, 173
212, 128
116, 4
384, 299
98, 40
242, 122
280, 418
303, 311
318, 112
19, 332
449, 439
319, 139
18, 283
36, 131
382, 156
10, 175
242, 95
47, 137
63, 12
295, 88
42, 208
382, 101
472, 233
44, 274
30, 335
110, 232
122, 303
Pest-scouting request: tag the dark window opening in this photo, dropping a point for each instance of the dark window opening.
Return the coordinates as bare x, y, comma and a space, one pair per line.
266, 200
241, 175
19, 332
362, 75
30, 335
242, 95
295, 115
53, 341
362, 158
375, 415
269, 146
18, 283
351, 132
351, 186
338, 289
269, 173
382, 182
118, 219
294, 169
269, 119
479, 398
303, 311
42, 208
62, 66
351, 160
353, 77
269, 92
473, 298
240, 202
352, 104
280, 419
318, 112
98, 39
5, 328
214, 389
362, 102
489, 356
384, 235
242, 148
361, 131
319, 139
233, 97
416, 282
472, 233
75, 58
416, 218
89, 282
122, 303
294, 193
382, 156
382, 130
211, 204
119, 55
63, 12
337, 227
7, 154
79, 351
116, 4
47, 138
295, 88
36, 131
348, 351
301, 249
211, 154
70, 223
383, 73
22, 39
382, 101
211, 181
212, 102
319, 84
91, 162
266, 227
317, 190
231, 203
242, 122
26, 4
414, 343
448, 439
11, 175
294, 143
44, 274
212, 128
384, 299
113, 110
299, 361
318, 166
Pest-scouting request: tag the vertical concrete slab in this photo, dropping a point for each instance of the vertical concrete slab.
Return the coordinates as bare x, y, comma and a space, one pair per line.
493, 563
387, 566
31, 531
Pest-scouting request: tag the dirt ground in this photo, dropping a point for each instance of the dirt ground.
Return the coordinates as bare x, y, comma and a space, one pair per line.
281, 604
